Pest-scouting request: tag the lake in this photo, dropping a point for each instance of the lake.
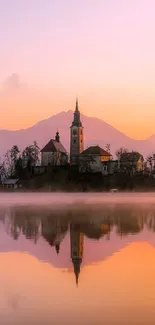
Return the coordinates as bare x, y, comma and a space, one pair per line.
77, 259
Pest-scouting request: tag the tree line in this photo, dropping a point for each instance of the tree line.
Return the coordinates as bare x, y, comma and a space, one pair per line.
18, 164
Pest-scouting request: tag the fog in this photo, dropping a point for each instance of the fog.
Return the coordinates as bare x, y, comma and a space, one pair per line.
62, 200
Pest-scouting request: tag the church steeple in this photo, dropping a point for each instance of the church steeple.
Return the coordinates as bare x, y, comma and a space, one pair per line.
77, 264
76, 140
77, 106
76, 120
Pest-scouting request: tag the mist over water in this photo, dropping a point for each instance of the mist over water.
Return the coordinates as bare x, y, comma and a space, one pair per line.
77, 258
76, 199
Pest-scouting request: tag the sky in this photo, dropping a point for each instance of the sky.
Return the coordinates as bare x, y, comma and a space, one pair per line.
99, 50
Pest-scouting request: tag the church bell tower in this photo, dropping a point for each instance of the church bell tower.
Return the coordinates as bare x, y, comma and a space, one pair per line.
76, 136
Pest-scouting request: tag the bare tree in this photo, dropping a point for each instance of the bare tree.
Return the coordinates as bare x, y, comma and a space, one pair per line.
10, 160
121, 151
151, 161
108, 147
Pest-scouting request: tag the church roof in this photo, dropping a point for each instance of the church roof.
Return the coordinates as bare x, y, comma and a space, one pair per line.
54, 146
95, 150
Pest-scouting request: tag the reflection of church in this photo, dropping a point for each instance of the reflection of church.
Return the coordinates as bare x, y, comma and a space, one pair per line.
76, 241
54, 232
53, 228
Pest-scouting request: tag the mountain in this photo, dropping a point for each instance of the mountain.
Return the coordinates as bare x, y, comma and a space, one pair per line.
96, 131
152, 140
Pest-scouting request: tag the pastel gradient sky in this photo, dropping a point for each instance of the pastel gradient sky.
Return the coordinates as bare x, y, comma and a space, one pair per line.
102, 51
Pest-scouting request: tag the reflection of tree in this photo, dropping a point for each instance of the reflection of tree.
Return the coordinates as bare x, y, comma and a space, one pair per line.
129, 225
150, 221
53, 226
19, 223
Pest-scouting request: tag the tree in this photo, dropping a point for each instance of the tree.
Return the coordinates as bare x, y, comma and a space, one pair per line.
3, 173
36, 152
15, 163
10, 161
31, 154
121, 151
19, 168
151, 161
108, 147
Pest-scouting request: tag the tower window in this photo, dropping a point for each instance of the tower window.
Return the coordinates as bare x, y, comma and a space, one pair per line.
74, 141
81, 141
81, 132
74, 132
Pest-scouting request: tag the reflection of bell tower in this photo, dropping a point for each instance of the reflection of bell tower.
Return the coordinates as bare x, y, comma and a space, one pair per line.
76, 136
77, 240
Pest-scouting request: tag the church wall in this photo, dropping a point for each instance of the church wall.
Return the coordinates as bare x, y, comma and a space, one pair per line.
53, 158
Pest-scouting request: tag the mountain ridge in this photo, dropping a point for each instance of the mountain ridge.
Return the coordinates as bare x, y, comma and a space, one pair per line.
96, 131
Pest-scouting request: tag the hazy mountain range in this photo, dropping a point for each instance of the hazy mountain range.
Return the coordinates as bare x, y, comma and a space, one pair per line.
96, 131
15, 94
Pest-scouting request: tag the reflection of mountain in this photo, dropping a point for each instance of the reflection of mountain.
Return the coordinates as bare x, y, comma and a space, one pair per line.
47, 232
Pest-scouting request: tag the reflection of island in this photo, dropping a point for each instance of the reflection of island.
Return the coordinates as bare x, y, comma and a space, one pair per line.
53, 227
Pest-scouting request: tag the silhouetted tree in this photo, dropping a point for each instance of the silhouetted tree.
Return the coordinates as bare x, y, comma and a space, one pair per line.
120, 151
108, 147
10, 160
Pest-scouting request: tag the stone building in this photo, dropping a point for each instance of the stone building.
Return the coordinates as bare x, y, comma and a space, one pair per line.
54, 153
94, 159
76, 136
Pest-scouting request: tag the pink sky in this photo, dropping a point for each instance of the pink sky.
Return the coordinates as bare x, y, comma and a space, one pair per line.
103, 51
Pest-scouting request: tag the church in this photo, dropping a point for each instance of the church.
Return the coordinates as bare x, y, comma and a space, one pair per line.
54, 153
94, 159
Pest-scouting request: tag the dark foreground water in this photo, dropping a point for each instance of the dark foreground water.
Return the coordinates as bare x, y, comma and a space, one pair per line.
77, 260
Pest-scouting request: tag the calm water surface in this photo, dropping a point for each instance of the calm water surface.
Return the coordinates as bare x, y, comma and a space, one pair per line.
77, 259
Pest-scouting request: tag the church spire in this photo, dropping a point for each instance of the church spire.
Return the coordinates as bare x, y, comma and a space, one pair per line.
77, 106
76, 263
76, 120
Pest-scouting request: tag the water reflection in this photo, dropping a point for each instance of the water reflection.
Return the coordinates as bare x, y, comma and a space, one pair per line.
82, 265
53, 226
